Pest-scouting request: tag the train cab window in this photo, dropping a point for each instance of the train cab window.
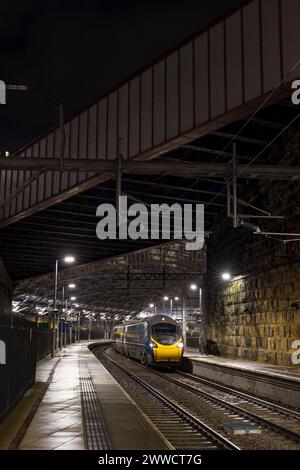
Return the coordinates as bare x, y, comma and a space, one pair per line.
165, 333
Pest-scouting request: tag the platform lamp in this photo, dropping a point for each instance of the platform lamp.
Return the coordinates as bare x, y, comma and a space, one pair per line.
226, 276
64, 302
194, 288
67, 259
75, 306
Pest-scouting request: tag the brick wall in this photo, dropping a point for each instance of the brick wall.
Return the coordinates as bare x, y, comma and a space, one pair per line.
257, 316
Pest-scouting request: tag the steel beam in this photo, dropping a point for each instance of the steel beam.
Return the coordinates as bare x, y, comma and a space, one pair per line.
157, 276
210, 151
240, 138
184, 168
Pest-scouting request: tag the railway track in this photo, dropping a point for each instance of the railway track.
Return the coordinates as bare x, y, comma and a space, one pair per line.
261, 412
179, 427
288, 412
278, 422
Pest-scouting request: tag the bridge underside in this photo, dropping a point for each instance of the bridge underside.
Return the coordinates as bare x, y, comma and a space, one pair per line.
105, 269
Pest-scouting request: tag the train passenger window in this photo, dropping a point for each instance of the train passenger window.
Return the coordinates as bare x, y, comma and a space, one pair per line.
145, 335
165, 333
132, 334
143, 332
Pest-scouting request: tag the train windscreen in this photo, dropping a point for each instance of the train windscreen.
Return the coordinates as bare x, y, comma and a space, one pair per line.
165, 333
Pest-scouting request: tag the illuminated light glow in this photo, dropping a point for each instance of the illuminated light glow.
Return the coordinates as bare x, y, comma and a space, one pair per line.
226, 276
176, 298
152, 345
166, 298
72, 286
69, 259
193, 287
73, 298
151, 305
180, 345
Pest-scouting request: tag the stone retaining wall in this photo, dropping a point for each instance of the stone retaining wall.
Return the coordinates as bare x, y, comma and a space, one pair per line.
257, 316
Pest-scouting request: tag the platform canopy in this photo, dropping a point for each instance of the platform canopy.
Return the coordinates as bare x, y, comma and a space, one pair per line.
121, 285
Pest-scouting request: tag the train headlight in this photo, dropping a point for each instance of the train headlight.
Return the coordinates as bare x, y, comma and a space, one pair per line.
180, 345
152, 345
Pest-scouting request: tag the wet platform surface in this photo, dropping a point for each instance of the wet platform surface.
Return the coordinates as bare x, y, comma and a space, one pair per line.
57, 423
76, 404
289, 372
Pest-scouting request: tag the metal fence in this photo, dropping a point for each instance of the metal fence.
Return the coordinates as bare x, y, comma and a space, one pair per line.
44, 339
21, 344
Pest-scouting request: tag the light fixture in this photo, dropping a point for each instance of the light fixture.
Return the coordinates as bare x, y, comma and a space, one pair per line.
7, 153
73, 298
151, 305
226, 276
72, 286
176, 298
69, 259
193, 287
166, 298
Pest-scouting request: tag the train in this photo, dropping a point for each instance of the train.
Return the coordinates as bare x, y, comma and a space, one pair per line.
154, 341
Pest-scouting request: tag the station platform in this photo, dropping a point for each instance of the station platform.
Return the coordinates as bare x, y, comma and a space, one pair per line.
278, 383
76, 404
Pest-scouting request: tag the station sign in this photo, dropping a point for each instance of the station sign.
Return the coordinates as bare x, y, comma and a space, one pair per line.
2, 353
2, 92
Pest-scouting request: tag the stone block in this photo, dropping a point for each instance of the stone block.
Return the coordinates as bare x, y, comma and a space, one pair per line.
261, 330
283, 304
267, 330
284, 359
290, 341
271, 343
281, 331
262, 355
284, 344
272, 357
263, 342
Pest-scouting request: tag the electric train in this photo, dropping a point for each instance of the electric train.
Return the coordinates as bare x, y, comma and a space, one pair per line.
156, 340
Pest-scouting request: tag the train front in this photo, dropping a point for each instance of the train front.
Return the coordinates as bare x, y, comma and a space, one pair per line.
166, 341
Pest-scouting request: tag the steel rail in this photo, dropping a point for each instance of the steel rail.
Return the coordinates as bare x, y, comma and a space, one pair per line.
230, 406
201, 427
259, 401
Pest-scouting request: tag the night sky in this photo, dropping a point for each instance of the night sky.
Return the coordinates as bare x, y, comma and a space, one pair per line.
71, 52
